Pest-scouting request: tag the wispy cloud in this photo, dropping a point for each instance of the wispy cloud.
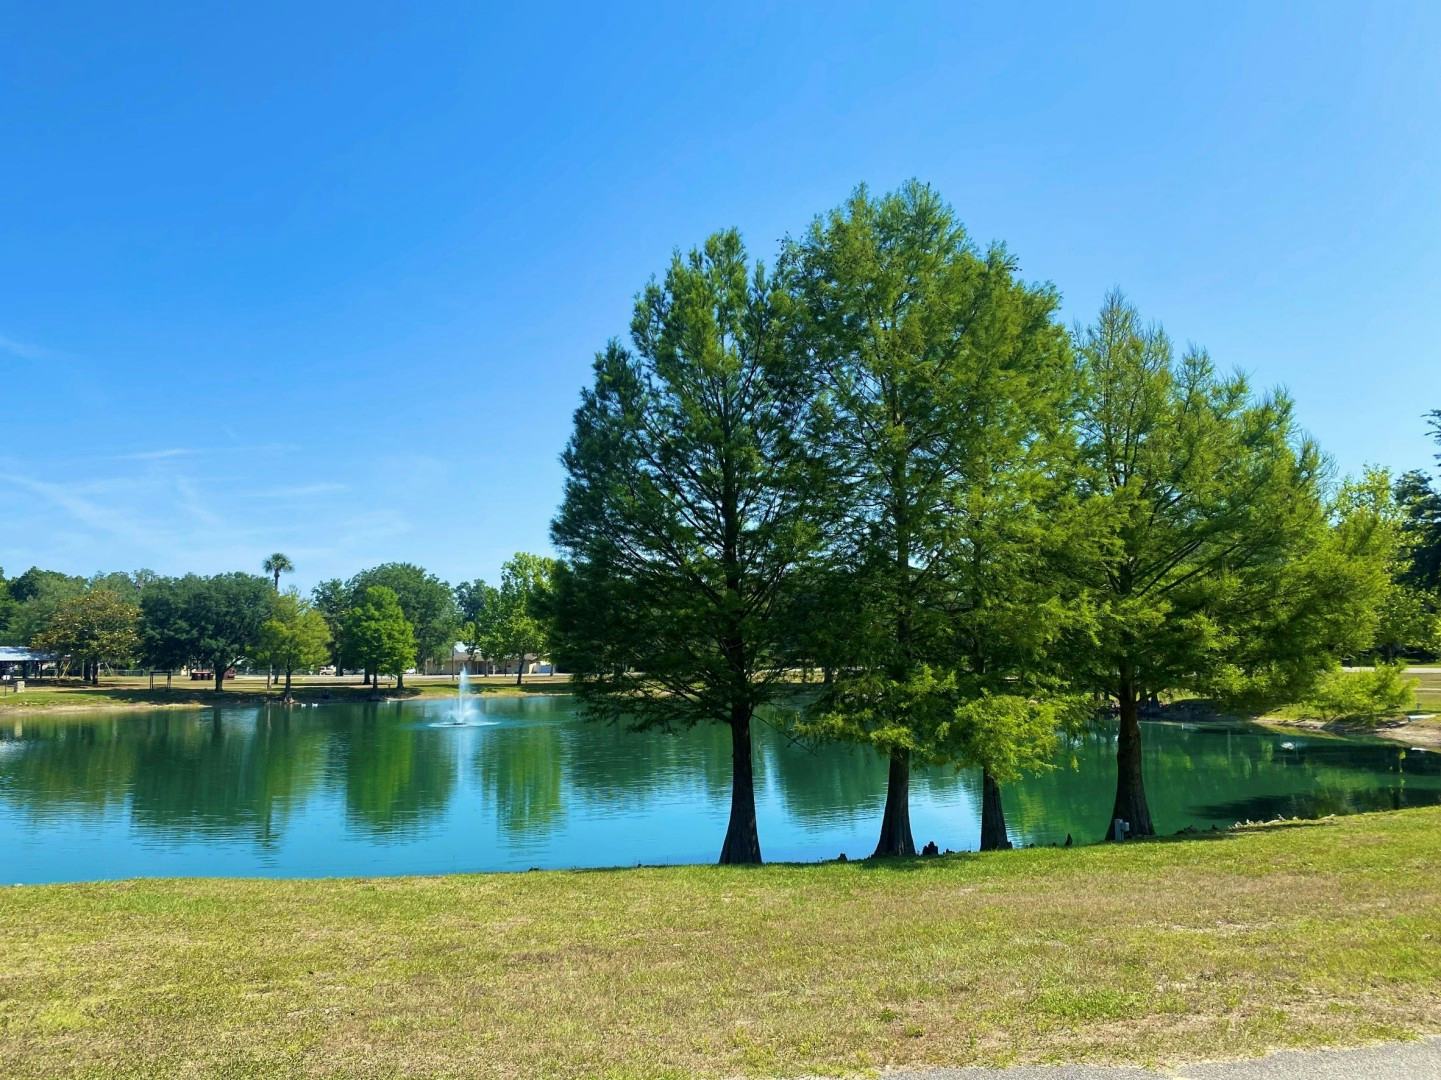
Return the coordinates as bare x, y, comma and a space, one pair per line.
170, 452
24, 350
293, 491
157, 455
196, 504
105, 520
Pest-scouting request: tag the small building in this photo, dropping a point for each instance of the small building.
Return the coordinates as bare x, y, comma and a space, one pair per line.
532, 664
17, 663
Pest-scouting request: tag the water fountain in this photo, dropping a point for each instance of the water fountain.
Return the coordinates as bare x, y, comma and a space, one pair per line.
462, 706
461, 716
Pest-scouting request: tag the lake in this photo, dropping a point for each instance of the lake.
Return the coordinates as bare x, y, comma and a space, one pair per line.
378, 788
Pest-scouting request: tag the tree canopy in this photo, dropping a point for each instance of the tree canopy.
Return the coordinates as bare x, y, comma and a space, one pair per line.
521, 625
379, 634
428, 604
681, 514
215, 620
94, 627
278, 564
295, 637
1212, 530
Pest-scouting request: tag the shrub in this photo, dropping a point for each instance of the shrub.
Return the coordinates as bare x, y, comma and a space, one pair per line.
1371, 695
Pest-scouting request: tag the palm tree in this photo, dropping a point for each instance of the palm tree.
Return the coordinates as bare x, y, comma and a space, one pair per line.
276, 565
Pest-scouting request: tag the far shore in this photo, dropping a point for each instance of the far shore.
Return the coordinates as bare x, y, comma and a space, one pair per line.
130, 693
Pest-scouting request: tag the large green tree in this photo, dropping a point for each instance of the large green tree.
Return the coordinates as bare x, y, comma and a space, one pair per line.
687, 512
479, 610
923, 348
428, 603
36, 594
379, 635
93, 627
524, 608
215, 620
1412, 612
332, 600
1214, 554
294, 637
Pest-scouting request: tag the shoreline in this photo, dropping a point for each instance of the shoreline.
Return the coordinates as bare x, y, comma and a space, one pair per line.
78, 700
1423, 734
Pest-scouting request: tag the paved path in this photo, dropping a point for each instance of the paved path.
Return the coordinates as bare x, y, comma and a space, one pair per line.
1392, 1061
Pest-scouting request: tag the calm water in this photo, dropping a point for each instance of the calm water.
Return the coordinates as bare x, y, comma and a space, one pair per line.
378, 789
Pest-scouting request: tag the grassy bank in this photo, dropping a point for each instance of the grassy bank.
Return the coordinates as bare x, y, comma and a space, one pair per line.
1424, 732
132, 693
1310, 934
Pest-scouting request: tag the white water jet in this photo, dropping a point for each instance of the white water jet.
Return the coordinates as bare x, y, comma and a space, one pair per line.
461, 716
463, 695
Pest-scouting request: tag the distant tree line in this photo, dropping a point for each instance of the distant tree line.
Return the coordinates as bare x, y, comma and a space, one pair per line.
383, 621
886, 459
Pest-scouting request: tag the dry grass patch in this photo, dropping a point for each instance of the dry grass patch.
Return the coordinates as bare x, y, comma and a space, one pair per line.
1322, 934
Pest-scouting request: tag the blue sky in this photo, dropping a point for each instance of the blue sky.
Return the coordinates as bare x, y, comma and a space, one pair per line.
328, 279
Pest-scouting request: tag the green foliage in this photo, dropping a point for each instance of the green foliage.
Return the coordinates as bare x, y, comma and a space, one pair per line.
1009, 734
1323, 603
295, 637
525, 604
683, 513
1214, 524
35, 596
278, 564
1407, 623
428, 603
7, 608
96, 626
378, 634
332, 600
944, 388
1378, 694
1420, 505
214, 620
482, 620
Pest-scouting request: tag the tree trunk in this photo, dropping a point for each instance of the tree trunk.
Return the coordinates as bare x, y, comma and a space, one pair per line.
742, 842
219, 678
896, 836
993, 815
400, 680
519, 668
1131, 805
167, 681
287, 684
95, 673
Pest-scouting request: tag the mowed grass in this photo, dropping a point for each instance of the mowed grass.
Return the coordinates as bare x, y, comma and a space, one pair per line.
1303, 934
1428, 689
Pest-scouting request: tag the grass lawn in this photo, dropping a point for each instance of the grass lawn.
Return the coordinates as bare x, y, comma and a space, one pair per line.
124, 693
1428, 690
1304, 934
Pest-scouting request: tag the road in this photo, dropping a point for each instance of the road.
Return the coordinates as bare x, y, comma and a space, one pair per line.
1390, 1061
